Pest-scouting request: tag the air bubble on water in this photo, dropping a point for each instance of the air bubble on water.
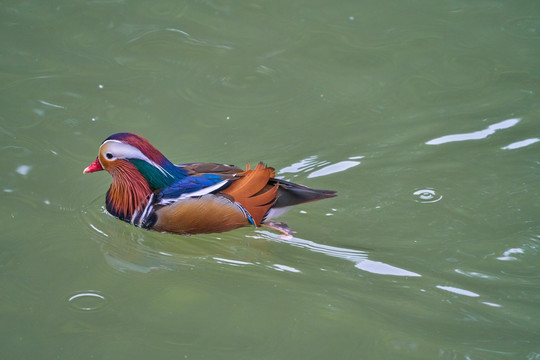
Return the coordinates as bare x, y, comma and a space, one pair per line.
88, 300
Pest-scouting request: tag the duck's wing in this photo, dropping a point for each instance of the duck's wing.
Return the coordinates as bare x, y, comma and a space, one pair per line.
223, 170
190, 186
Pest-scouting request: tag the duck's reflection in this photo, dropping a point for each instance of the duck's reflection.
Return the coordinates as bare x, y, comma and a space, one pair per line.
141, 253
357, 257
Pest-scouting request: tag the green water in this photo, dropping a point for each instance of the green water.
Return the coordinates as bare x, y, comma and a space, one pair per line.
423, 115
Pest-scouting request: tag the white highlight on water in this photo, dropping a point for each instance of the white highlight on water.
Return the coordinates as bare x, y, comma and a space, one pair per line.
520, 144
334, 168
231, 262
326, 168
286, 268
477, 135
359, 258
51, 104
23, 169
506, 255
458, 291
99, 231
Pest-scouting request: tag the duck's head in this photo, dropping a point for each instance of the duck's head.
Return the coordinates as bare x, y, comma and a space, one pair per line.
122, 154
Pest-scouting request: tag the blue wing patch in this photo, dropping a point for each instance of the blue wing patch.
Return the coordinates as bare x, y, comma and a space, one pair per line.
191, 186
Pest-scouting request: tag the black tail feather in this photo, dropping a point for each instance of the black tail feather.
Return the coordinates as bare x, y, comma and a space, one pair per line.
290, 194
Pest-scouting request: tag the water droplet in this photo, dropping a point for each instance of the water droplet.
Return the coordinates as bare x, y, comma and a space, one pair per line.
426, 196
87, 300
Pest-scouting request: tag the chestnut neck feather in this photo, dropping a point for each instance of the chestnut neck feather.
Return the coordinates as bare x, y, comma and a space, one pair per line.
128, 192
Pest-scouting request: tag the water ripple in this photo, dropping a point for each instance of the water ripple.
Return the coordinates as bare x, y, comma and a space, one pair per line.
458, 291
320, 167
231, 262
508, 254
334, 168
476, 274
359, 258
301, 166
240, 87
527, 27
426, 196
87, 300
476, 135
520, 144
279, 267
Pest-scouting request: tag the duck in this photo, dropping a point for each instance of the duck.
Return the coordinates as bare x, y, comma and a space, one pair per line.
152, 193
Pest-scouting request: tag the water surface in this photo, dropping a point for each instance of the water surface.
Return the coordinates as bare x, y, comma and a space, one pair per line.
422, 115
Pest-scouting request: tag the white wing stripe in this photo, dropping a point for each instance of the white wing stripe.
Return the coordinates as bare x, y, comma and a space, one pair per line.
147, 209
201, 192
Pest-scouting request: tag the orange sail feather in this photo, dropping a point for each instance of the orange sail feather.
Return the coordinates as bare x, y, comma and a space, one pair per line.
253, 192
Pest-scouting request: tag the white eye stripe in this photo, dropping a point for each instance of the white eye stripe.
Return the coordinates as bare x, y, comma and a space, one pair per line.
122, 150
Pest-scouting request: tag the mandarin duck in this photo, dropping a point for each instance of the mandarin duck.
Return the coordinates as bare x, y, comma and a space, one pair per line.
150, 192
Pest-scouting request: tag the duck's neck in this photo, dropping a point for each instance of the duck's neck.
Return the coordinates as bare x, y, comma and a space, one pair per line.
158, 176
128, 193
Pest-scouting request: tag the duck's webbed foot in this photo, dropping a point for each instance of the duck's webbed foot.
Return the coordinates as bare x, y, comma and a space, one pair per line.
279, 226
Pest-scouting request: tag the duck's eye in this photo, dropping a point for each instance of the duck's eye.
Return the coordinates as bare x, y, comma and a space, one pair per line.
109, 156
